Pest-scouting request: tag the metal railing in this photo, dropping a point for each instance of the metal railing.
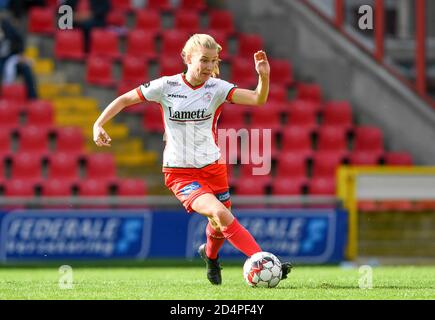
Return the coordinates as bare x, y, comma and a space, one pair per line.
338, 18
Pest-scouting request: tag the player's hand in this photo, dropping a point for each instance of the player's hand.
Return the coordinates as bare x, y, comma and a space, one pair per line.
261, 64
101, 138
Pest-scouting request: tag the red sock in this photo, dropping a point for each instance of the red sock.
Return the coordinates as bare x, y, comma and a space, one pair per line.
240, 238
215, 240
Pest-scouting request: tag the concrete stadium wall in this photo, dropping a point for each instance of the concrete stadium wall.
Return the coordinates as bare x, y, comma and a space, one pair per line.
317, 51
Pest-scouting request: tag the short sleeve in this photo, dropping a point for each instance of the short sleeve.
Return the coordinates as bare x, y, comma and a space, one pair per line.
226, 90
151, 91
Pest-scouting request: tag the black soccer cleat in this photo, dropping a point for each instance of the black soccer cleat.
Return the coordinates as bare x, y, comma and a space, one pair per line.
213, 267
286, 268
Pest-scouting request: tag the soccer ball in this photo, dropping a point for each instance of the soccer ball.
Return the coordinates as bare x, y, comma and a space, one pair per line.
262, 269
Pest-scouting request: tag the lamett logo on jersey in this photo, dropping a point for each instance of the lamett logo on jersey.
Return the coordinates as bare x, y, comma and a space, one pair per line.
188, 115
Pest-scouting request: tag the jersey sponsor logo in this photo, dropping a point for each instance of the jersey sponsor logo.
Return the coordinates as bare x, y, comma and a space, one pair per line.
146, 85
211, 85
190, 188
173, 95
188, 115
224, 196
173, 83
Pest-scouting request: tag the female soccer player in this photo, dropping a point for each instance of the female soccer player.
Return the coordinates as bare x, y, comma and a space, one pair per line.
191, 104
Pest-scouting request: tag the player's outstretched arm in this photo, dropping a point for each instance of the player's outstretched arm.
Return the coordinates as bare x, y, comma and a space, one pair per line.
101, 138
258, 96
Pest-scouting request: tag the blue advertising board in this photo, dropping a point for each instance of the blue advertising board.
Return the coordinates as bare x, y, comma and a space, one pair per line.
299, 235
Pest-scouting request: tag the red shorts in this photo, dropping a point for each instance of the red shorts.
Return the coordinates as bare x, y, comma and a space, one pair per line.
188, 184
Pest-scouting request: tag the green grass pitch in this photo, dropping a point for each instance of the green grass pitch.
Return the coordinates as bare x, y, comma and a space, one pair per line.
187, 281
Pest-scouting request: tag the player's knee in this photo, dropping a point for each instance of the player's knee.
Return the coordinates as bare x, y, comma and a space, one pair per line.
214, 225
221, 216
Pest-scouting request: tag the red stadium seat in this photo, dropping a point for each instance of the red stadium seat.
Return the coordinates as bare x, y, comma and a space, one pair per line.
325, 163
121, 5
160, 5
100, 166
309, 91
243, 73
292, 164
53, 4
187, 20
41, 20
232, 116
281, 72
5, 143
249, 44
56, 188
338, 113
303, 113
134, 71
275, 106
63, 166
171, 65
131, 187
311, 105
173, 42
9, 115
69, 45
70, 140
289, 186
149, 21
141, 44
322, 186
368, 138
331, 138
26, 166
93, 187
256, 171
152, 120
15, 92
398, 159
264, 118
99, 72
116, 18
221, 20
40, 113
19, 188
124, 87
193, 5
297, 139
364, 158
105, 43
277, 92
250, 186
33, 139
262, 144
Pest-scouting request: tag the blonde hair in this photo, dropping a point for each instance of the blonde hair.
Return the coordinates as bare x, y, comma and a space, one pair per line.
205, 41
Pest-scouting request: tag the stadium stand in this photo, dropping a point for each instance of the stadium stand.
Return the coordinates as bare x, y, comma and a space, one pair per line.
311, 134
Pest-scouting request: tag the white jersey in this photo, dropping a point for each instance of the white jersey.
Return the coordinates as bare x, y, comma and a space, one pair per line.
190, 118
